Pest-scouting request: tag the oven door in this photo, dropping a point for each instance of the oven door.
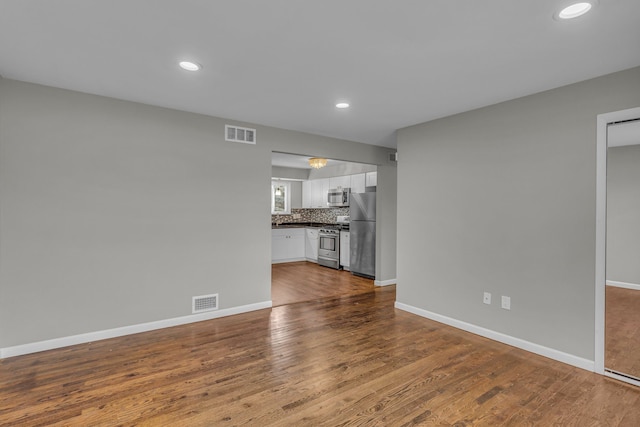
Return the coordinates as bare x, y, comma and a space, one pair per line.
328, 245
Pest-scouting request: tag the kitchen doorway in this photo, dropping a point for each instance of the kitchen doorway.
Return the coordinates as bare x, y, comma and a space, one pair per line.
310, 198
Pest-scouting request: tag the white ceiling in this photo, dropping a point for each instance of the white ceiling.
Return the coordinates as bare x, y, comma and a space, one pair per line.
285, 63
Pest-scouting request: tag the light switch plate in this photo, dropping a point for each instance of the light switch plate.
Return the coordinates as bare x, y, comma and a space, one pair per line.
506, 302
487, 298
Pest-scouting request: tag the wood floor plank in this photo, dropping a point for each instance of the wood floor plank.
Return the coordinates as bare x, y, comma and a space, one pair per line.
349, 358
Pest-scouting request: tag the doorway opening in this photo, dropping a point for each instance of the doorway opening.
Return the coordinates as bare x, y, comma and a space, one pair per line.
311, 247
617, 280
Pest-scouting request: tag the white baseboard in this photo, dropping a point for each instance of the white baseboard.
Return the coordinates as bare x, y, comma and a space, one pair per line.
282, 261
385, 282
35, 347
551, 353
623, 285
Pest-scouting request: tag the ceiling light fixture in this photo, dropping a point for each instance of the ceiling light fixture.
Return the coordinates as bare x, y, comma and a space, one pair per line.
575, 10
342, 105
317, 162
190, 66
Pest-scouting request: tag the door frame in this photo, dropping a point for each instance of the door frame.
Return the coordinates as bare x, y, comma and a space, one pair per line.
603, 121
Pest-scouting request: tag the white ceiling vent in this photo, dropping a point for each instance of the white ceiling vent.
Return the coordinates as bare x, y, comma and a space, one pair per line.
204, 303
238, 134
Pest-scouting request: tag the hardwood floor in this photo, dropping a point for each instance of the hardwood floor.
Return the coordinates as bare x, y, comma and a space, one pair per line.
294, 282
337, 361
622, 330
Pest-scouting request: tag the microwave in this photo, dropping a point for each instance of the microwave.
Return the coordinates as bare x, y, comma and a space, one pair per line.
338, 197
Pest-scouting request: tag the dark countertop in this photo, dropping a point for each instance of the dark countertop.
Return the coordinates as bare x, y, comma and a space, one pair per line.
303, 225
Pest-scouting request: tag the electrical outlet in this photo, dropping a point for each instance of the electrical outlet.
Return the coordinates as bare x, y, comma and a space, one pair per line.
296, 216
487, 298
506, 302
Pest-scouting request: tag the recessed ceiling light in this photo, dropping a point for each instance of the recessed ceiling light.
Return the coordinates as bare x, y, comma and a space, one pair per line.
342, 105
575, 10
190, 66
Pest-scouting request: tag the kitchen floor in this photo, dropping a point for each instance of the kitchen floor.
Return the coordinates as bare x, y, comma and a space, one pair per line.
294, 282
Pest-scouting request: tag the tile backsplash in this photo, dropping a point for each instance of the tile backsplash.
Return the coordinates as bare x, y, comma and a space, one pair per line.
324, 215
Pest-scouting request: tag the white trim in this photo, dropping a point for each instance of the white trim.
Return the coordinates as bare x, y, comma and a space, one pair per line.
34, 347
280, 261
287, 197
625, 285
551, 353
619, 377
385, 282
603, 121
601, 239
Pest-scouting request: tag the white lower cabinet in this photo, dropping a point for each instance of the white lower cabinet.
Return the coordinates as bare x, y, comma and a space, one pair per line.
344, 249
287, 245
311, 244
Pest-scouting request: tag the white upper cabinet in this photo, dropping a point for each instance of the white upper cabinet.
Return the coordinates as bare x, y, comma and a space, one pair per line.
307, 194
323, 200
314, 193
358, 183
372, 179
340, 182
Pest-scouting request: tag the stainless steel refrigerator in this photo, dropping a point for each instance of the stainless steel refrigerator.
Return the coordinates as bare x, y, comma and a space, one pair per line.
362, 234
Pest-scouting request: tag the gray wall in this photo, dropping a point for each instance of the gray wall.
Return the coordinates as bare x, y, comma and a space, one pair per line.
623, 214
114, 213
296, 194
502, 199
291, 173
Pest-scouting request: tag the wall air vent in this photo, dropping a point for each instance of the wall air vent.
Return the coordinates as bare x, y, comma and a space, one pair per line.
393, 157
238, 134
204, 303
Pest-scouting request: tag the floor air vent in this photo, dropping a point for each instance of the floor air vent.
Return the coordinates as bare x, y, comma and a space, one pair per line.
238, 134
204, 303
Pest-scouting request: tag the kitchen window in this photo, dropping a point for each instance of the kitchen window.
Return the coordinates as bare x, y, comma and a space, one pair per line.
280, 197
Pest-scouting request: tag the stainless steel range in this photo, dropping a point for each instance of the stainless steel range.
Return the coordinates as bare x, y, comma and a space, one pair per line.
329, 247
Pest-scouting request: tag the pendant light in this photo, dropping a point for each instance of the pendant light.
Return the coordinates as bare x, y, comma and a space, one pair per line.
317, 162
